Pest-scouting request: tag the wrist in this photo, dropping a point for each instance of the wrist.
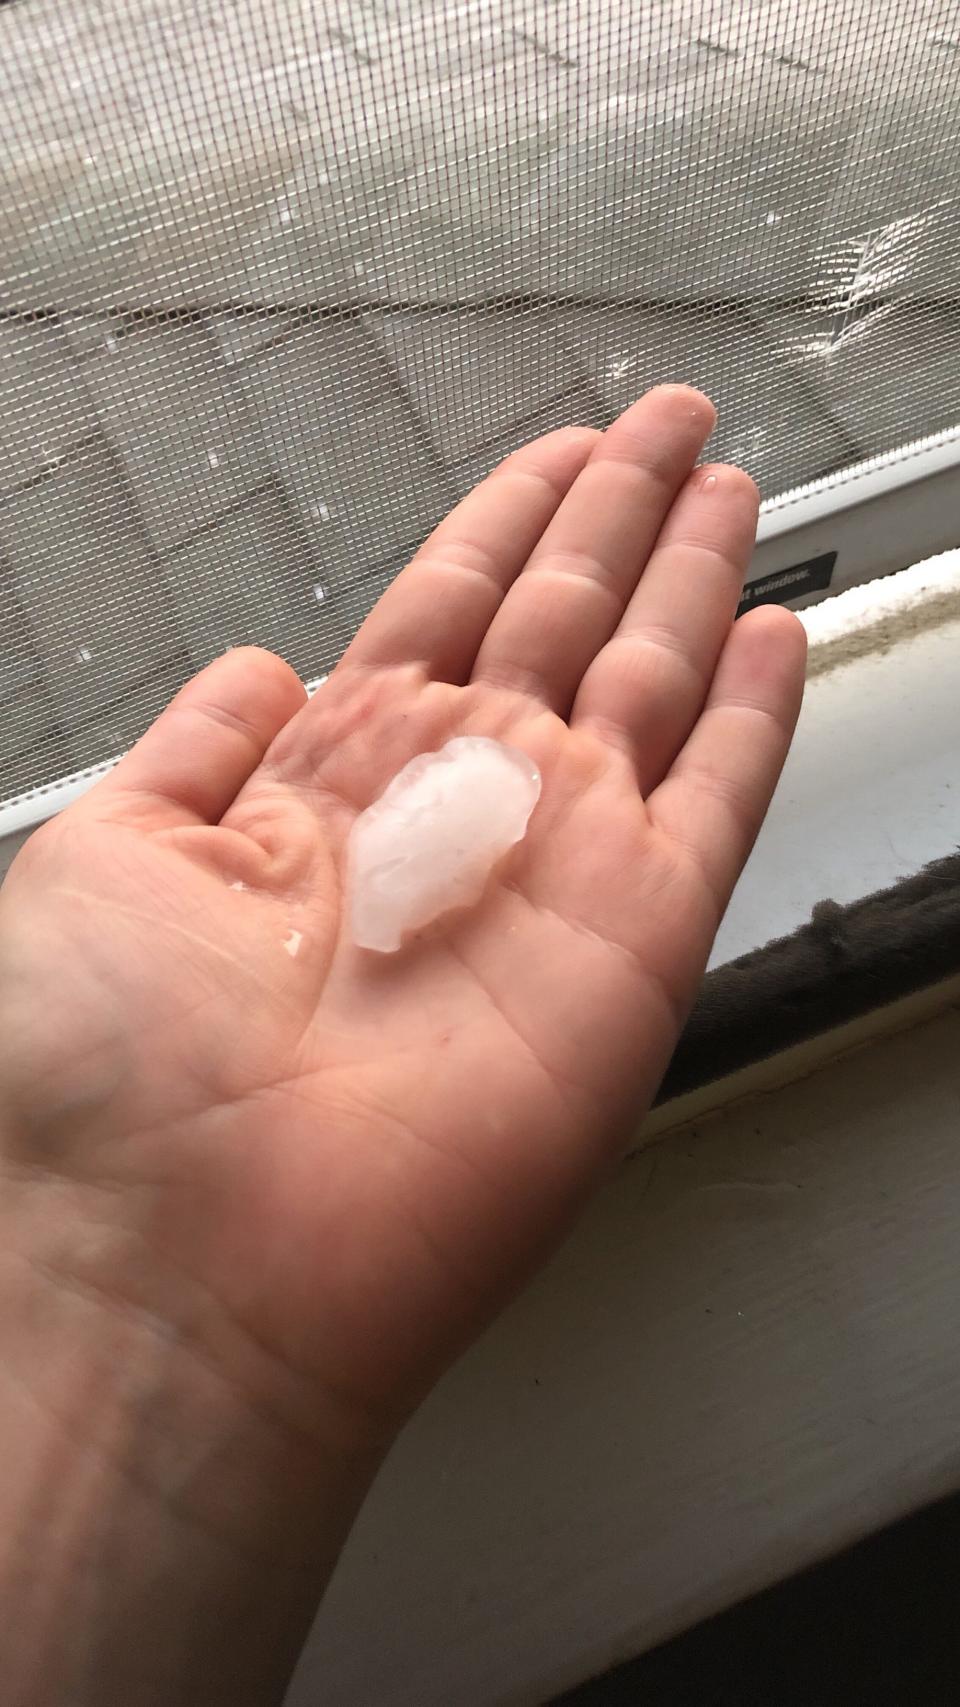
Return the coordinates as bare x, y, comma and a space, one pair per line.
171, 1501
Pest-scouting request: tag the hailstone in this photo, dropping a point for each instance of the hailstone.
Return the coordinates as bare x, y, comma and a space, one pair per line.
430, 842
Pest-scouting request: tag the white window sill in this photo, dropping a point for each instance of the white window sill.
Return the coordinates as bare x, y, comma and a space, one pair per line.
871, 790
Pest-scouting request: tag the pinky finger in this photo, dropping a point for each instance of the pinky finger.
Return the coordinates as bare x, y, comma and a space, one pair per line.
714, 798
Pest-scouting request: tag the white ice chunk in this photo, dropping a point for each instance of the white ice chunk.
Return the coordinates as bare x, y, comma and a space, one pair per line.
431, 840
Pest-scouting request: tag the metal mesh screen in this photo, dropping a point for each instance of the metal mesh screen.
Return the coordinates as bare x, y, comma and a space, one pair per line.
279, 281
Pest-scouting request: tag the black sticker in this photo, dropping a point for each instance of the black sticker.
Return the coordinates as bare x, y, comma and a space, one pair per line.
782, 585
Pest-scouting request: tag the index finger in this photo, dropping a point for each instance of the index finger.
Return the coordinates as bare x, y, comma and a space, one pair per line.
437, 611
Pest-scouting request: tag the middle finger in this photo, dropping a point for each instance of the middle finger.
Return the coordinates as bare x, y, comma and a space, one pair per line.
573, 591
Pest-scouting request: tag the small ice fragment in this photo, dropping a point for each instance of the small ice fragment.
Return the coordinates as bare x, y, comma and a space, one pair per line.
238, 885
431, 840
292, 943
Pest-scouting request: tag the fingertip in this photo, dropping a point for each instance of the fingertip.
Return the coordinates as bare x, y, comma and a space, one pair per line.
716, 507
247, 685
680, 399
574, 435
729, 481
557, 456
771, 649
264, 671
250, 684
664, 431
196, 756
776, 626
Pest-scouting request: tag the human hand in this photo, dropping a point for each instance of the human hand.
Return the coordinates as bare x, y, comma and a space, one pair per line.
320, 1169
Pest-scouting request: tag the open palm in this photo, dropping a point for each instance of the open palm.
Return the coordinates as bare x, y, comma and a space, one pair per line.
351, 1158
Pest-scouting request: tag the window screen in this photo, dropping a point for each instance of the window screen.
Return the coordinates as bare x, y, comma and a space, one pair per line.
280, 280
